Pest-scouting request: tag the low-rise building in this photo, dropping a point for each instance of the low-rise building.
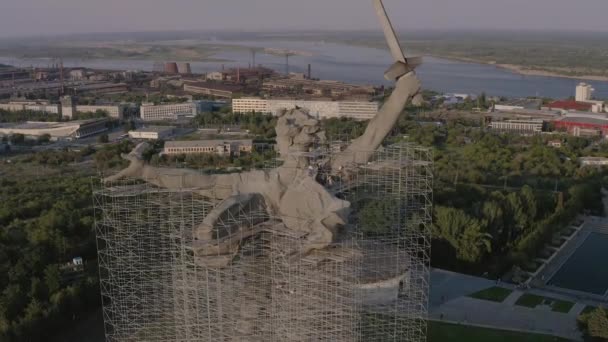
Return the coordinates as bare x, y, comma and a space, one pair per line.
519, 104
12, 107
583, 124
217, 147
216, 76
532, 126
57, 130
152, 133
100, 88
37, 106
212, 89
593, 161
173, 111
555, 143
250, 105
359, 110
318, 88
570, 105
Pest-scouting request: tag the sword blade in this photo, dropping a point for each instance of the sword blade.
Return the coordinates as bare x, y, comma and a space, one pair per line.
389, 33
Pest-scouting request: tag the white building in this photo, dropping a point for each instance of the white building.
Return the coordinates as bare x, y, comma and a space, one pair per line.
533, 126
321, 109
152, 133
44, 107
584, 92
594, 161
216, 76
57, 130
250, 105
12, 107
150, 112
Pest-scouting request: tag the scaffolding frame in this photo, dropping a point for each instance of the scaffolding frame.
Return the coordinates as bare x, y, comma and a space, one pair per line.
371, 284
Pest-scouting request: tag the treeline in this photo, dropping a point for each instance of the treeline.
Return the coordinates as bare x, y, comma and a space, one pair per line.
44, 223
27, 115
105, 159
500, 198
215, 163
58, 158
261, 125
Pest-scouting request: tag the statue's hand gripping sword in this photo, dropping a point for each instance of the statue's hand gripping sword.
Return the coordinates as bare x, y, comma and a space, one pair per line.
402, 65
407, 88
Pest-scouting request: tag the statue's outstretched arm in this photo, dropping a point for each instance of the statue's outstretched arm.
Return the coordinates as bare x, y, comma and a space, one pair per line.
171, 178
361, 149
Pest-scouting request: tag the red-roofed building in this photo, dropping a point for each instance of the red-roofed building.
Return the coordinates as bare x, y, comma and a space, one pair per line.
570, 105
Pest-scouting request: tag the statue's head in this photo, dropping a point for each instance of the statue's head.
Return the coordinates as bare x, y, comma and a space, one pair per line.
297, 131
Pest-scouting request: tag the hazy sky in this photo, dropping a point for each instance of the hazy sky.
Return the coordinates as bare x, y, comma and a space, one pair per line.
33, 17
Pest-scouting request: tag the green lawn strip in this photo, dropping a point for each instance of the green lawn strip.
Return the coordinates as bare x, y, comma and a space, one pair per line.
494, 294
440, 332
561, 306
530, 300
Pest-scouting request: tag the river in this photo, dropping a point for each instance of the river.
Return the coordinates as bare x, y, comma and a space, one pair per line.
362, 65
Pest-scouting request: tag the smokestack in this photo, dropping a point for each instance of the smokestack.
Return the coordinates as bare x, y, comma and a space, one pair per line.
238, 74
309, 72
286, 64
222, 67
62, 78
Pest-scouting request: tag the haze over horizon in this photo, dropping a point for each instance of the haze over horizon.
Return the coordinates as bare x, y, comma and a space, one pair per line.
55, 17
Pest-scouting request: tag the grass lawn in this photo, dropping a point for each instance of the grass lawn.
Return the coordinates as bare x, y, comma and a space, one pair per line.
529, 300
494, 294
561, 306
441, 332
532, 301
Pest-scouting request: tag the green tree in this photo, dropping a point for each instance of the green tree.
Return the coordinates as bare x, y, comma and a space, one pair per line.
52, 278
43, 139
463, 232
17, 139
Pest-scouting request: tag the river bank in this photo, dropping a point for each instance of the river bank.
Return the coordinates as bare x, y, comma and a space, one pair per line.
522, 70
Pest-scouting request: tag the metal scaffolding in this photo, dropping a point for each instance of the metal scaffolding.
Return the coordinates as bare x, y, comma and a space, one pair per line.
371, 284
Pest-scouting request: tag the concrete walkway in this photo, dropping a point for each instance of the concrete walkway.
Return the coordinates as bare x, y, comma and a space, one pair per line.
513, 297
472, 311
577, 309
449, 302
446, 286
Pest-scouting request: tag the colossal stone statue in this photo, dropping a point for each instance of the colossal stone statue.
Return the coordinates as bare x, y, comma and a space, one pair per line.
290, 192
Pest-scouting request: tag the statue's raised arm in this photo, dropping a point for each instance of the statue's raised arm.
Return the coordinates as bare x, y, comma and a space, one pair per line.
407, 88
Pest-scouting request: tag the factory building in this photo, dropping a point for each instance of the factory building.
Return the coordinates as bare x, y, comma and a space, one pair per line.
101, 88
321, 109
152, 132
211, 89
217, 147
171, 68
57, 130
581, 124
151, 112
317, 88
